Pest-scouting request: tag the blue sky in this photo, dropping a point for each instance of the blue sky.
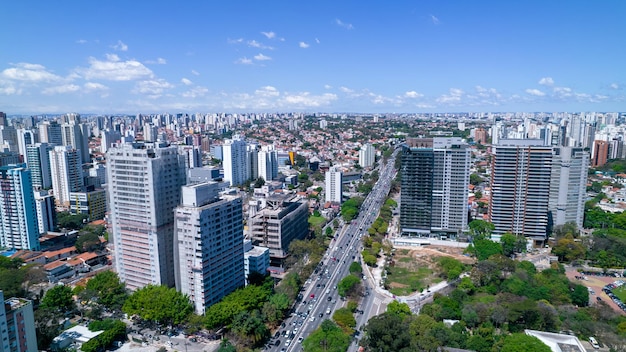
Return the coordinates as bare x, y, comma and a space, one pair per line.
333, 56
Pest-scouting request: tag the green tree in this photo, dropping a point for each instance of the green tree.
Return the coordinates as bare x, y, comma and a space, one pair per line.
387, 333
329, 231
356, 268
348, 285
521, 343
484, 249
259, 182
475, 179
327, 338
59, 299
88, 242
160, 304
580, 295
65, 220
399, 309
480, 229
249, 327
226, 346
345, 319
568, 250
111, 292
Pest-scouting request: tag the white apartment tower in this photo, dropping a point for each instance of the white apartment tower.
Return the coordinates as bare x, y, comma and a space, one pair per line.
334, 179
67, 173
268, 163
208, 244
38, 161
568, 185
235, 161
144, 181
18, 213
367, 155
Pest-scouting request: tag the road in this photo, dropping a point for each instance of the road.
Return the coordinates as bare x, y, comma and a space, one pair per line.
320, 297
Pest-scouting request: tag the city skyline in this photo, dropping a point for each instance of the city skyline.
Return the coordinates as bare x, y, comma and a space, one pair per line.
244, 56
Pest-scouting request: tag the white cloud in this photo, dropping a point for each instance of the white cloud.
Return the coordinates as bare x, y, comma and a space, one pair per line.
186, 81
454, 96
306, 100
317, 40
563, 92
614, 86
303, 45
413, 94
65, 88
425, 106
93, 86
24, 71
546, 81
153, 87
261, 57
328, 86
535, 92
158, 61
267, 91
8, 88
195, 92
269, 35
434, 19
234, 41
347, 26
255, 44
244, 61
346, 90
195, 73
113, 69
81, 41
120, 46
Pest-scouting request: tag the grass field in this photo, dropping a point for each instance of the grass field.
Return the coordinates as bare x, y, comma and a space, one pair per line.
316, 220
620, 292
404, 281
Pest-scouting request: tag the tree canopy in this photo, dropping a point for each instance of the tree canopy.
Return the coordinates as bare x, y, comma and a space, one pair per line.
160, 304
327, 338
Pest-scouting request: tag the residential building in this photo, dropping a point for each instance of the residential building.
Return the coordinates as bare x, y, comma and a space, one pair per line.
600, 153
334, 190
208, 244
67, 173
434, 186
17, 325
91, 202
284, 219
568, 185
268, 163
367, 155
46, 211
520, 188
144, 182
50, 132
18, 213
235, 161
38, 161
255, 259
25, 137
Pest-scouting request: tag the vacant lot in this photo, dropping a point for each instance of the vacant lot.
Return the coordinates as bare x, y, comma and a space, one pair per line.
415, 268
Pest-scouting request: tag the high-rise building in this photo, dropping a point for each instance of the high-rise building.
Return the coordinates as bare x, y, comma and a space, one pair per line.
50, 132
235, 161
46, 211
334, 180
38, 161
434, 186
520, 187
480, 136
67, 173
283, 220
268, 163
17, 325
208, 244
600, 153
568, 185
25, 137
18, 212
144, 182
76, 135
255, 259
91, 202
367, 155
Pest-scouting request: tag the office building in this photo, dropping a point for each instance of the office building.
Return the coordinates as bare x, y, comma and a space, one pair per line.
91, 202
334, 180
18, 213
268, 163
367, 155
568, 185
434, 186
208, 241
38, 161
50, 132
67, 174
235, 161
25, 137
282, 220
520, 188
17, 325
144, 182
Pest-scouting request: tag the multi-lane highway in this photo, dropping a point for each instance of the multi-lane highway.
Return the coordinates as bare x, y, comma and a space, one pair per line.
319, 294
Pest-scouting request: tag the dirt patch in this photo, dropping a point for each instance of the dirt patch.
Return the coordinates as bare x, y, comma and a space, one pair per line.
431, 253
397, 285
